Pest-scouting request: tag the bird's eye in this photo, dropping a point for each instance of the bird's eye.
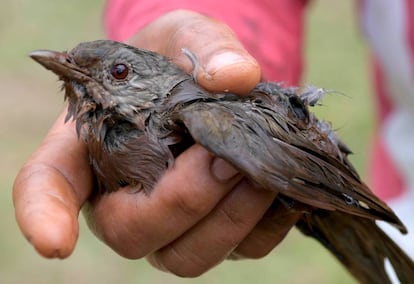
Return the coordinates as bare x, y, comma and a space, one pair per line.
119, 71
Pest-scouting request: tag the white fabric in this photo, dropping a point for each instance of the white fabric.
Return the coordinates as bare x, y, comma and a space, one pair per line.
386, 28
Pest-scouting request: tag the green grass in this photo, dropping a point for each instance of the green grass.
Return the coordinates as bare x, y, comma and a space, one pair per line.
30, 100
338, 61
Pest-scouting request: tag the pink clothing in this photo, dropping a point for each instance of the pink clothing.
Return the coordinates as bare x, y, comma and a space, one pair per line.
272, 31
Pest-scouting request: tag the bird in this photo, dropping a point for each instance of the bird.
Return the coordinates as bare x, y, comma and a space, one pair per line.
137, 111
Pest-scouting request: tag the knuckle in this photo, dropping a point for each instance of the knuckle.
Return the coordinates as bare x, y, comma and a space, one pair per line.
254, 249
261, 240
228, 242
233, 217
181, 263
125, 248
187, 202
124, 237
235, 223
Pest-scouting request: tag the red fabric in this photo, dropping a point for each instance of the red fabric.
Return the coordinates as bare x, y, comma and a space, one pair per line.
271, 30
385, 180
384, 104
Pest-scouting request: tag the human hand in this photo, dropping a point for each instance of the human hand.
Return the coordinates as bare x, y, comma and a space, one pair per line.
199, 213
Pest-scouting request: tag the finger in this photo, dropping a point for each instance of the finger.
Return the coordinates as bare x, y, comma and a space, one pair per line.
224, 65
217, 235
137, 224
50, 189
268, 233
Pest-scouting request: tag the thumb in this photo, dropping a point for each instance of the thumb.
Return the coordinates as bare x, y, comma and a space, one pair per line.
223, 63
50, 189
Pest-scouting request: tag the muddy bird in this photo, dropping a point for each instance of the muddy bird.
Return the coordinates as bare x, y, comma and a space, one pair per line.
137, 111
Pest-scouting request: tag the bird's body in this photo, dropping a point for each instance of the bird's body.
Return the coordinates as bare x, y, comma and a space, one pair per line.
137, 111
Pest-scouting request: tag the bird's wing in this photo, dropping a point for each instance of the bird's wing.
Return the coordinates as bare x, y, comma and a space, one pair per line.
259, 140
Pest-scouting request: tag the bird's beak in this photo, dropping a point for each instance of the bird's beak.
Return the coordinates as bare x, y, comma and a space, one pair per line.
60, 63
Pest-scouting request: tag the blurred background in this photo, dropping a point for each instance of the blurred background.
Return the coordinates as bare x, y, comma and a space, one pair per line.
30, 101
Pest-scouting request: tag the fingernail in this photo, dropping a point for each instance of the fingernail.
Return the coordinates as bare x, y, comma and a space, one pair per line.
223, 59
222, 170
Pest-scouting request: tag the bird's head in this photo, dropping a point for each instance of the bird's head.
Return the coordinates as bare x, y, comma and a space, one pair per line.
106, 78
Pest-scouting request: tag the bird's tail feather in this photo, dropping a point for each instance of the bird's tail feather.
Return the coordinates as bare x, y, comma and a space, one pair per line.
359, 244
